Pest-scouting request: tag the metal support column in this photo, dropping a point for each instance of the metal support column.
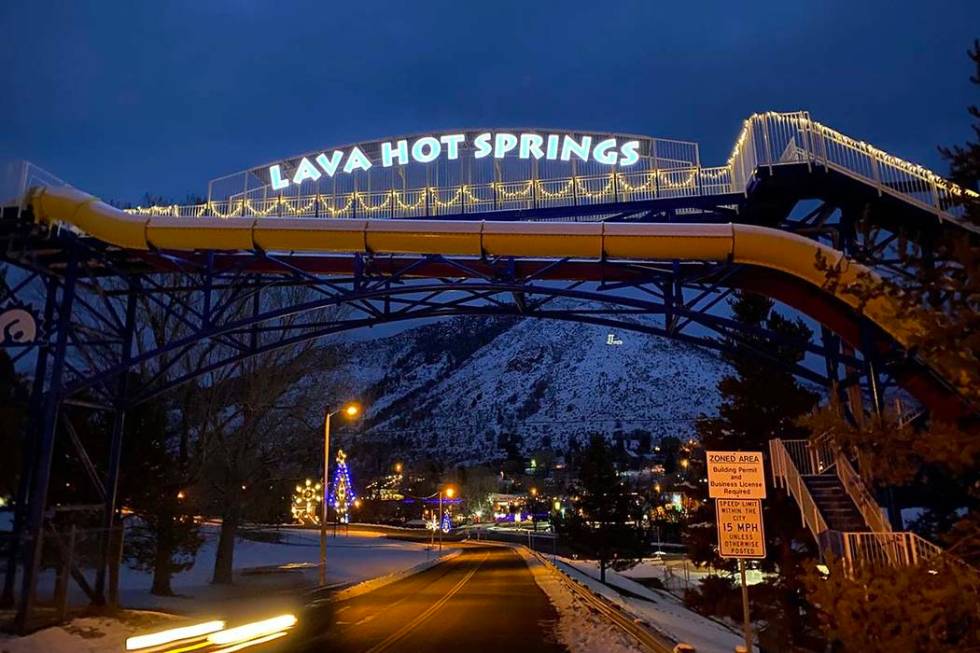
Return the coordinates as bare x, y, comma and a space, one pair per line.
831, 355
30, 448
886, 495
115, 447
46, 441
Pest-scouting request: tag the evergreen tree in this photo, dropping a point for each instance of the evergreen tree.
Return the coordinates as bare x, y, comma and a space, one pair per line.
604, 522
760, 401
163, 536
932, 606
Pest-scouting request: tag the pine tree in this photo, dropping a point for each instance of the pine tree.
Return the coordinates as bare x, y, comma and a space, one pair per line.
163, 537
760, 401
604, 520
932, 606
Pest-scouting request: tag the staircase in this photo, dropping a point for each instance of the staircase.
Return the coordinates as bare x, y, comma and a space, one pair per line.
836, 506
839, 510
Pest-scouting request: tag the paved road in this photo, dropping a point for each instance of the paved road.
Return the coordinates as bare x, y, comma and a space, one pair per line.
483, 600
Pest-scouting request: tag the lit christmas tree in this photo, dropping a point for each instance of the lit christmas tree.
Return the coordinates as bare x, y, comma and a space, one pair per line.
342, 490
306, 502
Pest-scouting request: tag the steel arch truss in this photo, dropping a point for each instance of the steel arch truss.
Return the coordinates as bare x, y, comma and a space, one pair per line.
168, 318
222, 311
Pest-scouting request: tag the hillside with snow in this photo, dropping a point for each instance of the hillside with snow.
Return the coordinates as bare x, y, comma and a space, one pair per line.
470, 387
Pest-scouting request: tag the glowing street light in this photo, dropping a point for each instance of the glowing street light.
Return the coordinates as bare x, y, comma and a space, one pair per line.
350, 410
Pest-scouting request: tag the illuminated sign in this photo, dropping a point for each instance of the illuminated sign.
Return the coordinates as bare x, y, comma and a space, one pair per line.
426, 149
736, 475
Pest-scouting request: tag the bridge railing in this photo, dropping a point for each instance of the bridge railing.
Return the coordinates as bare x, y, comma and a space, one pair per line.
772, 139
471, 198
767, 140
17, 177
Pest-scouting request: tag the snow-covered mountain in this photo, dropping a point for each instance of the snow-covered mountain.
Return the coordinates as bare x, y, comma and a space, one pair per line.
467, 387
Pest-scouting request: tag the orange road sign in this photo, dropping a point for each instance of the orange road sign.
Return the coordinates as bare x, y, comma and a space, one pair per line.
736, 475
740, 531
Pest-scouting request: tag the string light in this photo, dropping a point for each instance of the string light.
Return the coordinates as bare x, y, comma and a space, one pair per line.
627, 184
342, 491
306, 502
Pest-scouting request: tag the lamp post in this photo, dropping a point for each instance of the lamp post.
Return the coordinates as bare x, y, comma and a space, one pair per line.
449, 494
350, 411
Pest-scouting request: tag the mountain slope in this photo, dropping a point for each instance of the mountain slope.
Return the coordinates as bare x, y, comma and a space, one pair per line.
465, 387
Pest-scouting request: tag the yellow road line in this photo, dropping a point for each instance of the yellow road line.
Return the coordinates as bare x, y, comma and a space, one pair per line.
431, 610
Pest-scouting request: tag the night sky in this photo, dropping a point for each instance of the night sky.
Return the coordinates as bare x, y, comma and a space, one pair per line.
122, 98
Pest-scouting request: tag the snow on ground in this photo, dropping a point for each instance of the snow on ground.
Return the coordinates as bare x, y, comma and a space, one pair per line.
659, 609
579, 628
87, 634
678, 575
351, 557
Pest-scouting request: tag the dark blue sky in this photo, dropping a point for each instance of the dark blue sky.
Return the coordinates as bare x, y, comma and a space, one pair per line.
121, 98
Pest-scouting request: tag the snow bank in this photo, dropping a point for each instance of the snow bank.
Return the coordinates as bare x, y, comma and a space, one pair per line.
579, 628
87, 634
660, 610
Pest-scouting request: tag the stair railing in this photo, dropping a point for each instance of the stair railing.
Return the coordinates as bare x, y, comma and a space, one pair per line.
901, 549
786, 474
858, 491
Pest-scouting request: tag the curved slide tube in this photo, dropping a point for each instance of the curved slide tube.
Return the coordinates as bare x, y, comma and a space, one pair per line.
757, 246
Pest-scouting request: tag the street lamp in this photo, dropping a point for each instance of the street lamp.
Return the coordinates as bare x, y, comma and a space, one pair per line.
350, 411
450, 492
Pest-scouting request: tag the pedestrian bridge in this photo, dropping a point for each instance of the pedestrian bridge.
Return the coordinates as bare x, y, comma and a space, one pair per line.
534, 185
629, 232
492, 207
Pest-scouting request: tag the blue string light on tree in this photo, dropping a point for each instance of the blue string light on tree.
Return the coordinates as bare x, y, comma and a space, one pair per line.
341, 489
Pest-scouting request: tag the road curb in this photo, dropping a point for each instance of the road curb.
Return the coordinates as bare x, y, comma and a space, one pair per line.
381, 581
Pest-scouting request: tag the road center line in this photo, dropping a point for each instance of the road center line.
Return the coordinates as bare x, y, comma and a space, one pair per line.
431, 610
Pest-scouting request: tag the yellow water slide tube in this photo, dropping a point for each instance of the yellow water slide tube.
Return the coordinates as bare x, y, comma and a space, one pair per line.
746, 244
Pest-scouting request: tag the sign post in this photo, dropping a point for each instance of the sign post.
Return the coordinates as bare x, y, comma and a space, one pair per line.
737, 483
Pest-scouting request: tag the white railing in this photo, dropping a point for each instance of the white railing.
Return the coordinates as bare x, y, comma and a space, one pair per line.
772, 139
17, 177
766, 140
470, 198
878, 547
818, 456
786, 474
809, 457
902, 549
858, 491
